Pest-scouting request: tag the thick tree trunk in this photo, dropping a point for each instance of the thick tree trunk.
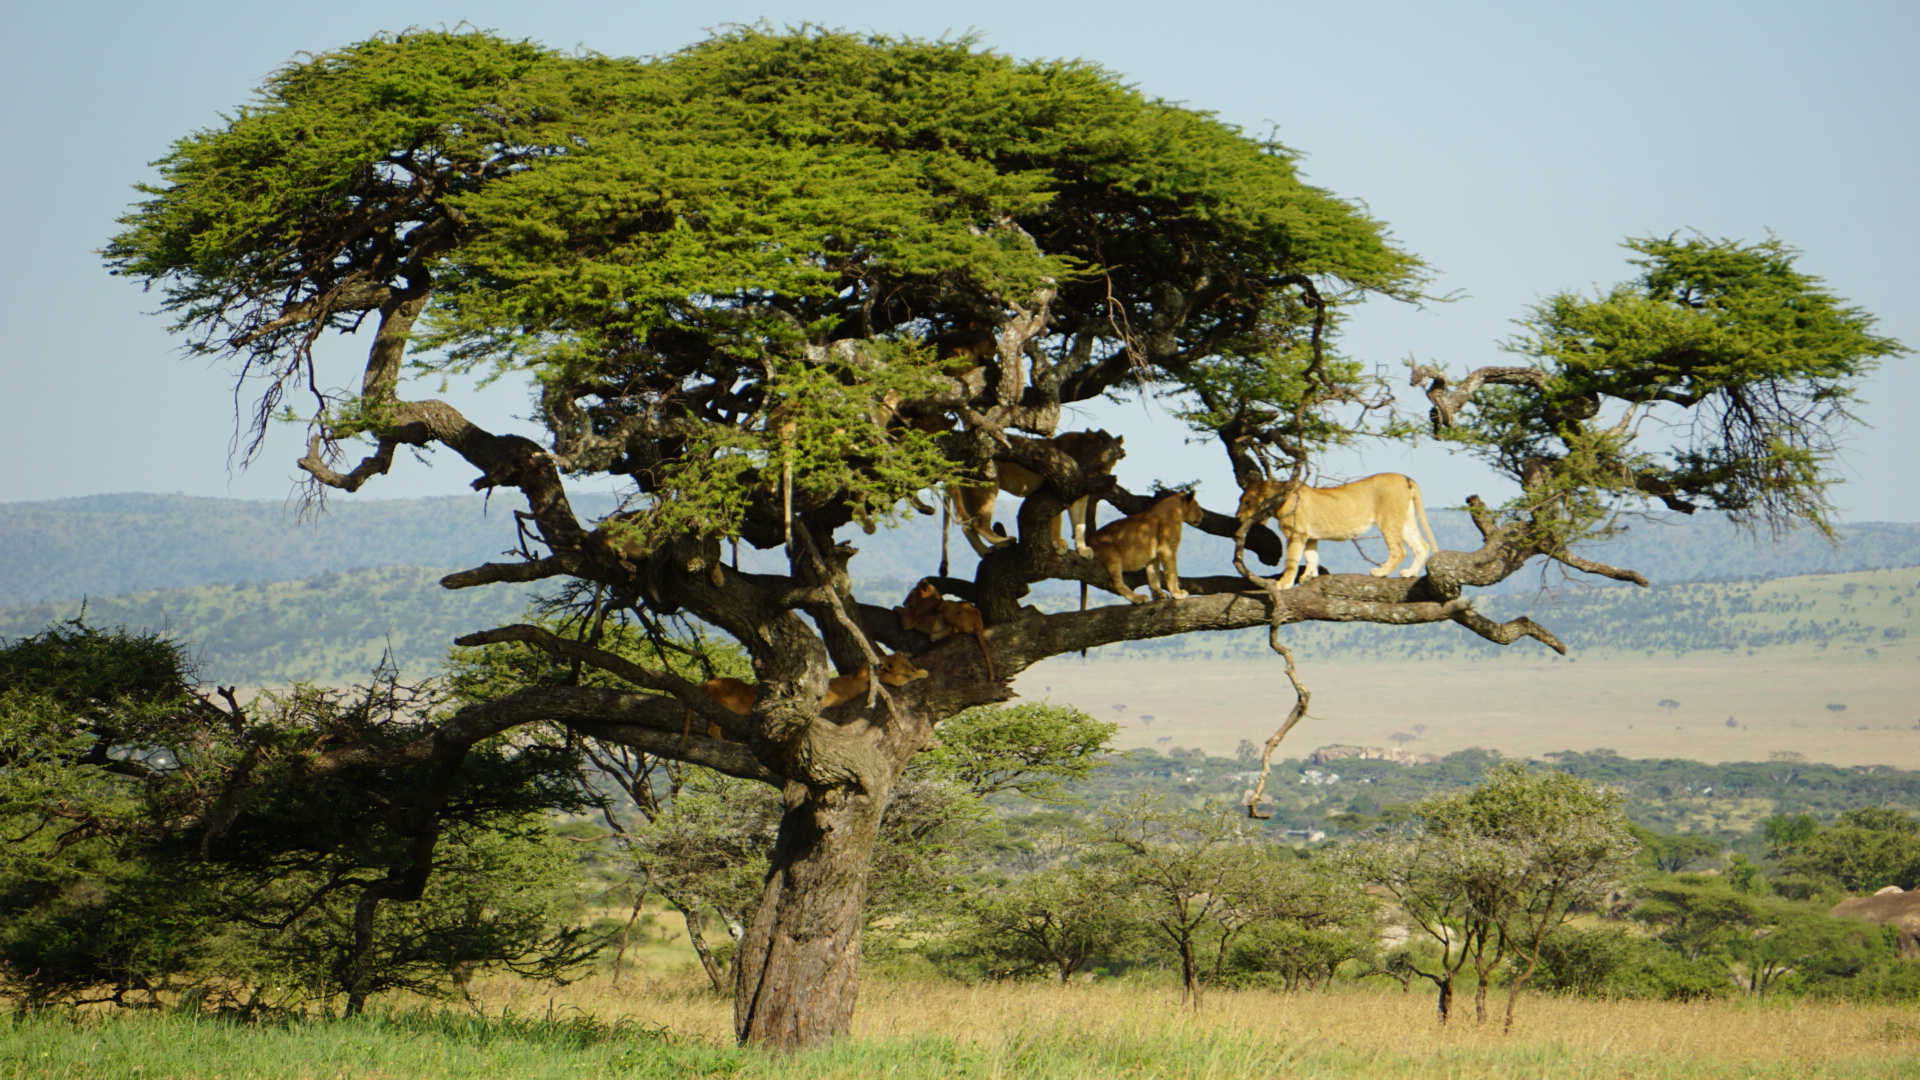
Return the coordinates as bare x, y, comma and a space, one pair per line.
1446, 997
798, 968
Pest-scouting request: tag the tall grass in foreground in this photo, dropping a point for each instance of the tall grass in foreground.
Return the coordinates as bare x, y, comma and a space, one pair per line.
673, 1028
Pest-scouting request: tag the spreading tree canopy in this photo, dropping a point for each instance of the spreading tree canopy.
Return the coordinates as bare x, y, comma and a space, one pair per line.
780, 283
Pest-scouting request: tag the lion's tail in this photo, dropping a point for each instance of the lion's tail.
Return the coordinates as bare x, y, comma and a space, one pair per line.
1420, 511
980, 636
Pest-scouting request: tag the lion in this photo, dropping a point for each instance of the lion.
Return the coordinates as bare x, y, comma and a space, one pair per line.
927, 611
973, 506
733, 695
896, 670
1309, 515
1150, 541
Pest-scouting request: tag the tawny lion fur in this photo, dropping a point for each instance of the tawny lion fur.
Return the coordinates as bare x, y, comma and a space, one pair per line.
733, 695
973, 506
896, 670
1309, 515
937, 617
1150, 541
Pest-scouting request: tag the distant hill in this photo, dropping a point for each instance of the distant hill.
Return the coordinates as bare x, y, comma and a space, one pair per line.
105, 545
330, 629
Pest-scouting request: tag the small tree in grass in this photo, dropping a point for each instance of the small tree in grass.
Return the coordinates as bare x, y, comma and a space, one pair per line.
1055, 920
1199, 878
1496, 871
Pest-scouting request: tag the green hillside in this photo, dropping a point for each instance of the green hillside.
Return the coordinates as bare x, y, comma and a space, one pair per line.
103, 545
331, 629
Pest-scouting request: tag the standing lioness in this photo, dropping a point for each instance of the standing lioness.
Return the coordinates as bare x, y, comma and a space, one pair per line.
1309, 515
1150, 541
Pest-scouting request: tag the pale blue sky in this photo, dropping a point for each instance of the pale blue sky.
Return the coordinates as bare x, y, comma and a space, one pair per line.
1511, 145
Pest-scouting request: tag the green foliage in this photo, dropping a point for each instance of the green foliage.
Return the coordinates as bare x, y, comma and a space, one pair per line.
1867, 849
1697, 914
707, 848
1614, 962
1200, 881
1053, 922
1672, 854
1314, 919
1802, 946
1030, 750
1765, 353
1495, 872
163, 842
713, 224
1765, 944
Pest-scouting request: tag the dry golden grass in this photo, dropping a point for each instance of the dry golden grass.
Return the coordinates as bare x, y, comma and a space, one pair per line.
1373, 1031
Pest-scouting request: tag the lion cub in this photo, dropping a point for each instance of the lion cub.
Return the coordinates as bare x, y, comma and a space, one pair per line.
1309, 515
930, 613
896, 670
1150, 541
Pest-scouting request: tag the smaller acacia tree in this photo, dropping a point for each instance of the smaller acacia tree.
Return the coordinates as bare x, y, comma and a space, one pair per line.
1497, 870
159, 841
1196, 876
1315, 918
1055, 920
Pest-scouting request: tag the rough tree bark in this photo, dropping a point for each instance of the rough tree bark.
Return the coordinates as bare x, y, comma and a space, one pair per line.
798, 971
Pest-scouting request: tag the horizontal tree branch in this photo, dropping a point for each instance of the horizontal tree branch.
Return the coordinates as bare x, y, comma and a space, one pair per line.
691, 696
556, 565
568, 705
1508, 632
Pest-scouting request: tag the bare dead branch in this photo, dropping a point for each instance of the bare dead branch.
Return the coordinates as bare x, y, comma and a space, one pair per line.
556, 565
1598, 568
1507, 633
1447, 403
1301, 696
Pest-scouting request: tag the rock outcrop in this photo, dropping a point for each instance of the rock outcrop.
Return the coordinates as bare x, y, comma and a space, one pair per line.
1888, 907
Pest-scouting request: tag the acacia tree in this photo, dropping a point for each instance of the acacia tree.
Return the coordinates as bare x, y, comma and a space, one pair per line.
1497, 871
780, 283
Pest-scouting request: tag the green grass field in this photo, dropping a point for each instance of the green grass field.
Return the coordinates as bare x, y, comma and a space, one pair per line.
945, 1030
